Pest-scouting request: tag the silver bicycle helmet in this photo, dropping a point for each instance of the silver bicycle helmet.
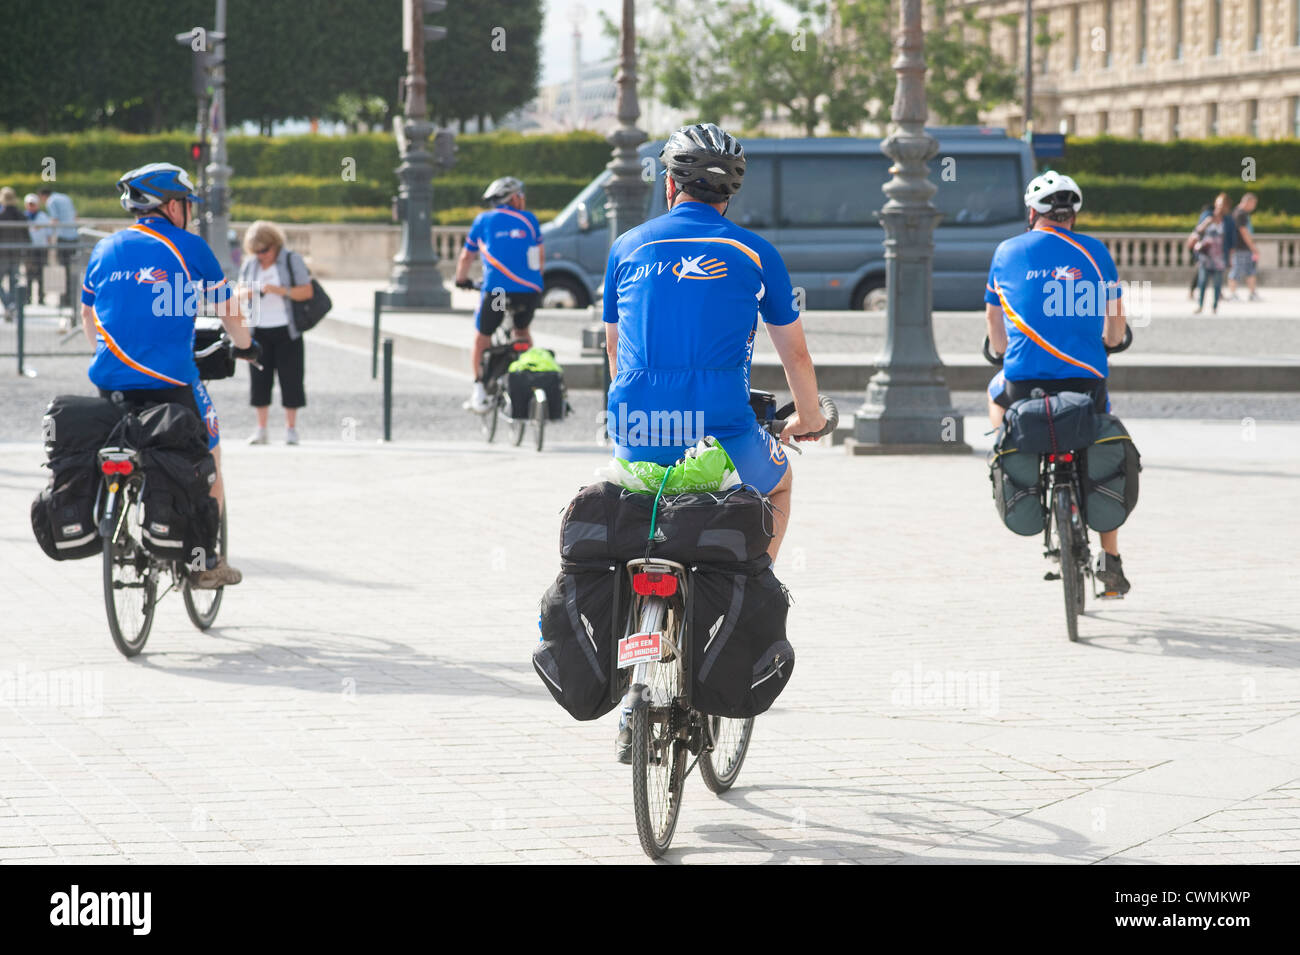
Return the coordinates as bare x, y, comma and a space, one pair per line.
706, 161
502, 189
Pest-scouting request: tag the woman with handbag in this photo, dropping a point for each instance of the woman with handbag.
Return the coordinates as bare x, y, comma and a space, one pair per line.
274, 279
1209, 241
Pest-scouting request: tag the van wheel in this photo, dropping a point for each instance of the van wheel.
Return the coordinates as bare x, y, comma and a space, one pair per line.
563, 291
870, 296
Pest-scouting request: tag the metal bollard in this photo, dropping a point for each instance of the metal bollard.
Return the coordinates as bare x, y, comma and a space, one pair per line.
18, 319
388, 389
374, 336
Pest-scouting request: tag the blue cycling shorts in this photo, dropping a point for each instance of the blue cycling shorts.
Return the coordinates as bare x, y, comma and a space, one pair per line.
208, 413
759, 458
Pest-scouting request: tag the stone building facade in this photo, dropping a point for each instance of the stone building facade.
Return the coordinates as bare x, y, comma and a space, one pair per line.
1154, 69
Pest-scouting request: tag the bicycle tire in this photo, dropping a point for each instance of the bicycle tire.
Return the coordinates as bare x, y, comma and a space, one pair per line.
490, 419
540, 413
124, 556
1070, 572
658, 762
731, 743
202, 605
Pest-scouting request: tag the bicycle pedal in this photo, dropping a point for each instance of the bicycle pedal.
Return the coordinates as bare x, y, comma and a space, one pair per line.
1110, 595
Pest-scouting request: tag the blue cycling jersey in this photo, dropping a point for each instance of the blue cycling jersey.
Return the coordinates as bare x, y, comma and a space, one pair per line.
686, 290
509, 240
145, 284
1052, 286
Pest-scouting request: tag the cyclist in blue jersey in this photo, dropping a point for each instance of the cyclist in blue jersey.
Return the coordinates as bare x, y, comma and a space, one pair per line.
1053, 304
683, 295
509, 239
140, 294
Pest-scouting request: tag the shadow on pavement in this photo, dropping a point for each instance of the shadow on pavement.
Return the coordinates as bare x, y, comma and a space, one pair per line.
1202, 637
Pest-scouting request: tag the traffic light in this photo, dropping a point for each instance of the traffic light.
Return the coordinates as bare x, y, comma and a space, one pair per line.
444, 149
199, 153
414, 11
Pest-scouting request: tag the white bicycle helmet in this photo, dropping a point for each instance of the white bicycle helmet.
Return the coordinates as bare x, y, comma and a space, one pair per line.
502, 189
1053, 192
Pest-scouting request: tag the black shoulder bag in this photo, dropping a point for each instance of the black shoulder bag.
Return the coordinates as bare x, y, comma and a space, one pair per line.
307, 313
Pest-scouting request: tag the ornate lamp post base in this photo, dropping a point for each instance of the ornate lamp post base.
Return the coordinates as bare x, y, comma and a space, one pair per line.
907, 408
415, 281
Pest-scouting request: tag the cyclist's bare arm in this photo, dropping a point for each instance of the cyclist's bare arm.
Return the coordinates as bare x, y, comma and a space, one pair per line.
233, 321
792, 348
997, 328
463, 262
611, 348
88, 323
1115, 323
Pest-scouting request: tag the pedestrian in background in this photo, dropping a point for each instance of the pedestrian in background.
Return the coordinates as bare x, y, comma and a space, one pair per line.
64, 216
12, 241
266, 275
41, 236
1245, 256
1196, 272
1208, 241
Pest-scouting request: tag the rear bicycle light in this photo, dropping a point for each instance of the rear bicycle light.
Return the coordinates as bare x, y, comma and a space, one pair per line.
116, 467
650, 584
1067, 456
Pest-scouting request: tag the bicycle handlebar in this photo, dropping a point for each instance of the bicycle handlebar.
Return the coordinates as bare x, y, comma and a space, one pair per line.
993, 359
831, 413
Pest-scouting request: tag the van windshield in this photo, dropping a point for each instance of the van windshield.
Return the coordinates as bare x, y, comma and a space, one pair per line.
977, 190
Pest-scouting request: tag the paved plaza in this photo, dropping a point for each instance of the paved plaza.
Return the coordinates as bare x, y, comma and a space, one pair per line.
367, 695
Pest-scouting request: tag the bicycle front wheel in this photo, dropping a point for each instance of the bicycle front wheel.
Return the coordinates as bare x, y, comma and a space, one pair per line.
720, 768
658, 751
130, 584
1071, 568
202, 605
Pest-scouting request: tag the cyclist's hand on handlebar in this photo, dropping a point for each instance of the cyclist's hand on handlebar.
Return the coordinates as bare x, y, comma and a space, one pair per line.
803, 427
252, 353
464, 283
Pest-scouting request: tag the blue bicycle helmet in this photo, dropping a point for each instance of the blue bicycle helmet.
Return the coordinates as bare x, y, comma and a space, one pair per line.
150, 186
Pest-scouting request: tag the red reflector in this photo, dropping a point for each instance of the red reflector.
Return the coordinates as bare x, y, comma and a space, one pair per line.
116, 467
654, 585
1066, 457
522, 346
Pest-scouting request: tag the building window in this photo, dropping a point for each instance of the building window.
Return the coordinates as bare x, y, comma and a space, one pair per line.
1139, 127
1216, 28
1252, 118
1107, 33
1257, 24
1295, 117
1103, 123
1295, 23
1175, 122
1074, 36
1212, 124
1178, 29
1142, 30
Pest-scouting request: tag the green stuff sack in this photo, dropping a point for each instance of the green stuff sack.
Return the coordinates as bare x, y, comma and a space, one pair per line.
536, 359
705, 467
1110, 486
1017, 494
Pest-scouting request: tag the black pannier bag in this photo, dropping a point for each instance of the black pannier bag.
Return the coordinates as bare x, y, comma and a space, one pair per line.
580, 615
520, 385
221, 363
179, 517
496, 361
1110, 479
1017, 490
63, 514
607, 522
740, 657
1064, 422
75, 423
172, 427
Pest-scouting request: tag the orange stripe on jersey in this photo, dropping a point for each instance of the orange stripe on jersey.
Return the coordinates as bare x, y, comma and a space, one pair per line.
167, 242
127, 360
522, 218
1077, 245
505, 271
1038, 339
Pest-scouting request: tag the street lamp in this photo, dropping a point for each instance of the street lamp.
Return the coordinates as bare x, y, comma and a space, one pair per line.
415, 281
209, 48
907, 407
626, 191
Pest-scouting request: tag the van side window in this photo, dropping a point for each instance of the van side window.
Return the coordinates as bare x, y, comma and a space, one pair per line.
822, 191
752, 206
596, 213
981, 190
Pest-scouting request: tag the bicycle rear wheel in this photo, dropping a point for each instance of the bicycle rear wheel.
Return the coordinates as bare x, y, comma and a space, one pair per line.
202, 605
1071, 570
658, 752
720, 768
489, 421
130, 584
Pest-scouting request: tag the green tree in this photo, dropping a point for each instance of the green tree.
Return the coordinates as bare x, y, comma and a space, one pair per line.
964, 79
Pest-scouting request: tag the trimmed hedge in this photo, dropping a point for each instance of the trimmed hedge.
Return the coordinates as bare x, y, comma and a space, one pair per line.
481, 157
1108, 156
1178, 194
